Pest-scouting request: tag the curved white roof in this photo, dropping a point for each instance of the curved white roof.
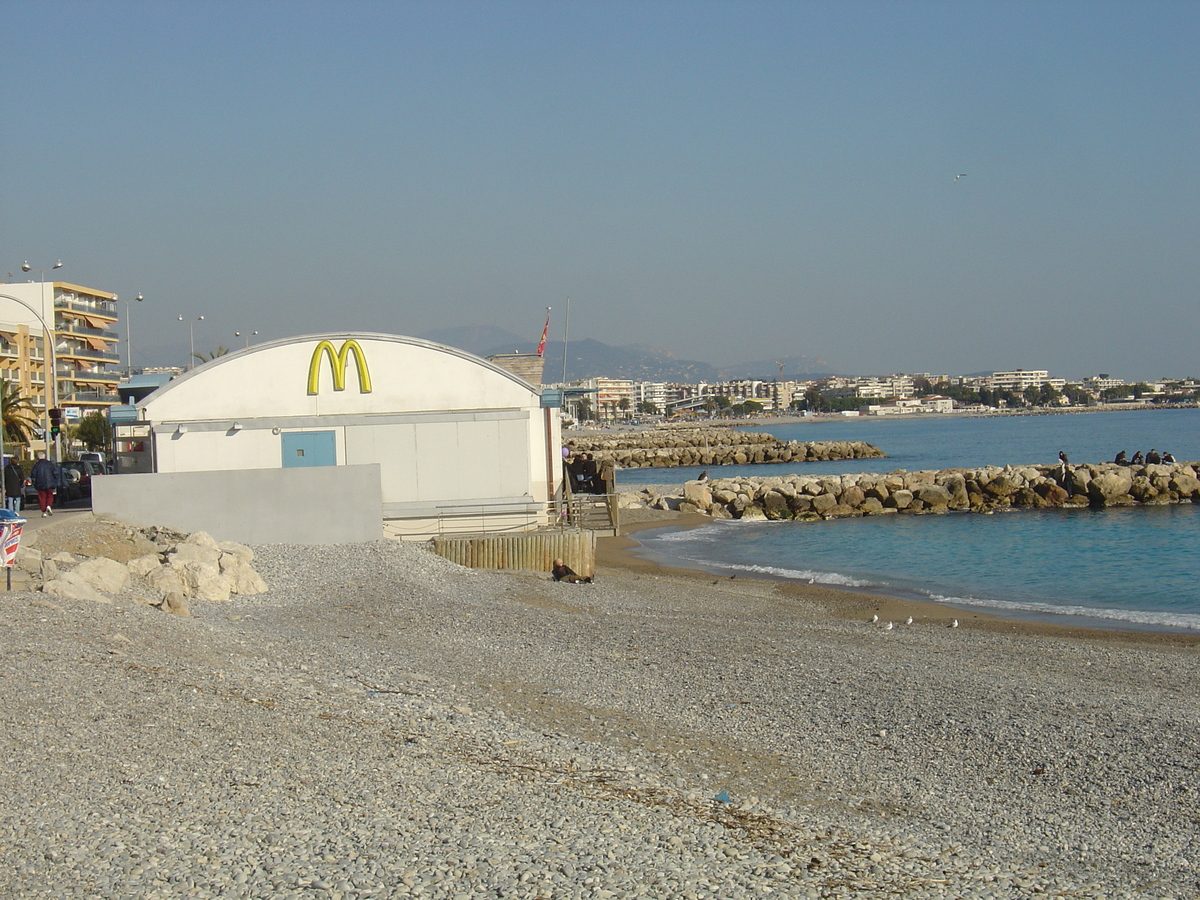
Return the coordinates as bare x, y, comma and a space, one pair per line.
297, 377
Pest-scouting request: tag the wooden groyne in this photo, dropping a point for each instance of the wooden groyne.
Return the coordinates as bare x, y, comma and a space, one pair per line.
988, 489
670, 447
534, 551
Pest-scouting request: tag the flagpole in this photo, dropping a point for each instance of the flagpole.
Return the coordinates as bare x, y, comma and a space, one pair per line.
566, 325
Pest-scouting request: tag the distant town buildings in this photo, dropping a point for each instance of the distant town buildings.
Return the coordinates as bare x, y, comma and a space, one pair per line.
607, 399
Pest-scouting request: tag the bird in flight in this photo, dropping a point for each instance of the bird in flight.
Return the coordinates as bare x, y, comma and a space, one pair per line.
959, 175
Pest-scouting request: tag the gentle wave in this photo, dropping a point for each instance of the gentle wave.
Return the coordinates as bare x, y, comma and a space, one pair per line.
1132, 616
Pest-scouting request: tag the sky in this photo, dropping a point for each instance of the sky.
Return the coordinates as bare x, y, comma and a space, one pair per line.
725, 181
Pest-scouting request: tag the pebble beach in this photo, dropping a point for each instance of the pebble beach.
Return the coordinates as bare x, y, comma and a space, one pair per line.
383, 723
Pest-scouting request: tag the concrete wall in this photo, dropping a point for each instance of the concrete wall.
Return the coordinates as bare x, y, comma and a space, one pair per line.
319, 505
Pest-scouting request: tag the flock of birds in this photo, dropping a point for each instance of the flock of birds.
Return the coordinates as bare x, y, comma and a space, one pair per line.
888, 626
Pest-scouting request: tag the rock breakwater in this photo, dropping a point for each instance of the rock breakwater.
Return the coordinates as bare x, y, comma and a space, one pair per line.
715, 447
987, 489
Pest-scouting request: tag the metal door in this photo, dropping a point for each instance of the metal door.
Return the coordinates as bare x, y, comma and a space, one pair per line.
309, 448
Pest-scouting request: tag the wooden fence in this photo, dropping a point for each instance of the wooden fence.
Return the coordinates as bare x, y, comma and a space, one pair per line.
534, 550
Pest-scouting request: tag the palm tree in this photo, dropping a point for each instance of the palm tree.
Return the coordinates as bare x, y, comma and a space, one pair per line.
207, 357
18, 414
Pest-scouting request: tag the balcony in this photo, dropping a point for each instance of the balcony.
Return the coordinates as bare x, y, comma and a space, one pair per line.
74, 328
87, 353
101, 308
88, 397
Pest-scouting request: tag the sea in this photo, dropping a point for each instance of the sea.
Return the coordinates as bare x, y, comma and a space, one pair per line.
1131, 568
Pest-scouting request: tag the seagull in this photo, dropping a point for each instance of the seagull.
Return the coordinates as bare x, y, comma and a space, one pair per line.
908, 621
954, 624
959, 175
887, 627
874, 618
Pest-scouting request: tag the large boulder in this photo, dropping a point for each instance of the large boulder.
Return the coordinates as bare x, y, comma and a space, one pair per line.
70, 584
698, 493
1111, 488
934, 496
103, 574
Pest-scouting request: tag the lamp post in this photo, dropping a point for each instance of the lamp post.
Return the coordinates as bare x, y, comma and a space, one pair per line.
129, 335
53, 369
246, 335
192, 339
50, 339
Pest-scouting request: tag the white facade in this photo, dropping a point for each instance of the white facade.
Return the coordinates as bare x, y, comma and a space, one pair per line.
1019, 380
462, 444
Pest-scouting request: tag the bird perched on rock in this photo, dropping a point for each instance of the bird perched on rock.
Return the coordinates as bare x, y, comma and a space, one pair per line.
954, 624
887, 627
874, 618
703, 476
908, 621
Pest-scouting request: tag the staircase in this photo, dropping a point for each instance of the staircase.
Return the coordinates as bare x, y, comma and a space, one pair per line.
594, 512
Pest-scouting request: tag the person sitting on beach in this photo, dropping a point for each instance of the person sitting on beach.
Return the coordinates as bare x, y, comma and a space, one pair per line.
1137, 459
562, 572
1121, 460
1152, 458
1167, 457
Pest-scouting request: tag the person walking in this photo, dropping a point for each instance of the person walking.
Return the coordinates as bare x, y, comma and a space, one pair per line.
14, 484
45, 479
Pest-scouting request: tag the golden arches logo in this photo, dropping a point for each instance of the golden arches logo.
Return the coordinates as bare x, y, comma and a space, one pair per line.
337, 362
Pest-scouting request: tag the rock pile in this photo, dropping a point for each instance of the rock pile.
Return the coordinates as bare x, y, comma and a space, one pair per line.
153, 567
977, 490
715, 447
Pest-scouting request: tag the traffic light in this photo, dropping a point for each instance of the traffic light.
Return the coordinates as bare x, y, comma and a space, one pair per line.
55, 421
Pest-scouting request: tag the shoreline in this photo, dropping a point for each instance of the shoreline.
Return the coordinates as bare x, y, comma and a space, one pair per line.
849, 604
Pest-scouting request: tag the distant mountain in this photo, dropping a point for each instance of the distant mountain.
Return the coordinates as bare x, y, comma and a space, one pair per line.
795, 368
481, 340
590, 359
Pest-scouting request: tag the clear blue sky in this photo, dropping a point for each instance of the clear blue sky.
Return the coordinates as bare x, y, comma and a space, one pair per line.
725, 181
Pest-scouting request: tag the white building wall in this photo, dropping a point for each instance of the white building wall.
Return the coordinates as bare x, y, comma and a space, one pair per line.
446, 428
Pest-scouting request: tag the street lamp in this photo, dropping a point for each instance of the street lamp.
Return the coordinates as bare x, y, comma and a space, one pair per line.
129, 335
50, 339
247, 336
192, 339
53, 369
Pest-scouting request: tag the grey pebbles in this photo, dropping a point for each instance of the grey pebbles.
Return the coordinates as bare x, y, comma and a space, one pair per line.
385, 724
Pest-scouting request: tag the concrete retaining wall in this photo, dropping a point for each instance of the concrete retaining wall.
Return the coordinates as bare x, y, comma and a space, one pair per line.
317, 505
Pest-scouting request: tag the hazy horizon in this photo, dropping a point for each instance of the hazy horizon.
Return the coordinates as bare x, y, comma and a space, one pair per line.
724, 181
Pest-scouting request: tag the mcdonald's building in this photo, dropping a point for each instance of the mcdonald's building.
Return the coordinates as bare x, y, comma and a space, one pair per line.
371, 435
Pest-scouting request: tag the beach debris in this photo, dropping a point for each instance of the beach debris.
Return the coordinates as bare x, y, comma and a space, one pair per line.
722, 797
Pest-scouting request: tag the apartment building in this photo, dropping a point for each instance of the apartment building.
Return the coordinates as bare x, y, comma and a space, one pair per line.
84, 345
1018, 380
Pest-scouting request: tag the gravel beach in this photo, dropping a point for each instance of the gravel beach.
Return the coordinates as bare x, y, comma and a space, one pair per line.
384, 723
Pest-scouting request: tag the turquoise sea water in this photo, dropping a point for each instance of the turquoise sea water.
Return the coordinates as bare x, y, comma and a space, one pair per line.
1129, 567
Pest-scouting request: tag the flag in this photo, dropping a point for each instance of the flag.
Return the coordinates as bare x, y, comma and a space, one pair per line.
545, 331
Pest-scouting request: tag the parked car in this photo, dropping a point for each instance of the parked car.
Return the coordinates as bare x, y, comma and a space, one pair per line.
79, 475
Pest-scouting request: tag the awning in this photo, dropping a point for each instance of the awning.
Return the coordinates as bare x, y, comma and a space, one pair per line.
96, 323
95, 343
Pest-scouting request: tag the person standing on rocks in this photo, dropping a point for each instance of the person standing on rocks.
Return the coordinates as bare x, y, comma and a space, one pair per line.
45, 480
14, 484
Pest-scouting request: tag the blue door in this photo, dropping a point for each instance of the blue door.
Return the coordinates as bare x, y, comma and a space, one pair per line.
309, 448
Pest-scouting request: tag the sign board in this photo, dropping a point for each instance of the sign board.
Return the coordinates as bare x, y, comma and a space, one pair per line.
552, 398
